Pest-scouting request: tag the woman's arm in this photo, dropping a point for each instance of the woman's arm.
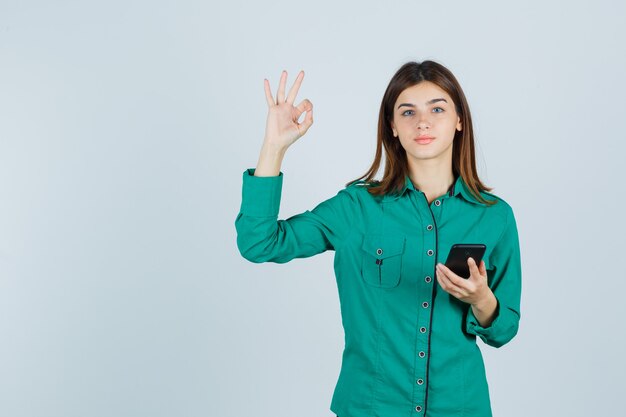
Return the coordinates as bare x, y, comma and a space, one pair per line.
506, 284
494, 294
261, 237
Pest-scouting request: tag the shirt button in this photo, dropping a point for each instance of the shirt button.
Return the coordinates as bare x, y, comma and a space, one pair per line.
421, 354
420, 381
429, 227
430, 252
418, 408
423, 329
379, 251
425, 304
437, 202
427, 279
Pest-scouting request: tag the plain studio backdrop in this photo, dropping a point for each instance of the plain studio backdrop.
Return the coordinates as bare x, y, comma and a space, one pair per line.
125, 128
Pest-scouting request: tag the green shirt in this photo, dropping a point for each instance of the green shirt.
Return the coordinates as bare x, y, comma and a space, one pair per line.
410, 347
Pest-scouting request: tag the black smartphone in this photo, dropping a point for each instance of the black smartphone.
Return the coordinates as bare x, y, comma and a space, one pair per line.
460, 252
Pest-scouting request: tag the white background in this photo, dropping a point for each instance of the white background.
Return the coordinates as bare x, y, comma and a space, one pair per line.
125, 128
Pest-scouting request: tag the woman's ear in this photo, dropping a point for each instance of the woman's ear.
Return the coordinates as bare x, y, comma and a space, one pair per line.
459, 124
393, 128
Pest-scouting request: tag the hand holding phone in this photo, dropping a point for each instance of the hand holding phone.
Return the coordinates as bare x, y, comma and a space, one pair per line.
460, 252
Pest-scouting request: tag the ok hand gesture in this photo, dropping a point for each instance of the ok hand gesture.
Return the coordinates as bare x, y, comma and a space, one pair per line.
282, 128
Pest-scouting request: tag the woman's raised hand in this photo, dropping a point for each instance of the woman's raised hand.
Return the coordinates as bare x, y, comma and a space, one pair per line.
282, 128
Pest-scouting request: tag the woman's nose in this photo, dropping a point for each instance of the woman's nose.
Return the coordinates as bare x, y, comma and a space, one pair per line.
423, 122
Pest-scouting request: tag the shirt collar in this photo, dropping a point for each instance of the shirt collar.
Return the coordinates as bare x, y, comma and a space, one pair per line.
458, 187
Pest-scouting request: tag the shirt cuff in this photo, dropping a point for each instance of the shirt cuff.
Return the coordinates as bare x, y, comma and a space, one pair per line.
474, 327
260, 196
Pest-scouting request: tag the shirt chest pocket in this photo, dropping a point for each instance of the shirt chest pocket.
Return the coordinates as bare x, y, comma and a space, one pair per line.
381, 263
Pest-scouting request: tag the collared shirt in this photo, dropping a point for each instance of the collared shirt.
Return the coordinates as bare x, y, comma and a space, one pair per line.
410, 347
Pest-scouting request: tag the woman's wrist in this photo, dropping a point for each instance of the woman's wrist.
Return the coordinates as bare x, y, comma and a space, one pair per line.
485, 309
270, 160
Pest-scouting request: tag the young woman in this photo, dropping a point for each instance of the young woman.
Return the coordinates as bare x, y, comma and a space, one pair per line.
410, 323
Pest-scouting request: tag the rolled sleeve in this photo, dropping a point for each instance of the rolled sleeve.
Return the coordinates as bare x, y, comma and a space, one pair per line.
260, 196
505, 280
262, 237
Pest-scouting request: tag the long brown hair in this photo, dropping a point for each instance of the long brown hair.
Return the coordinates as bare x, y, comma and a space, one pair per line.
396, 167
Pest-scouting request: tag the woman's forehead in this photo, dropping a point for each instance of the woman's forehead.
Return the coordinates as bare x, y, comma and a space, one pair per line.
423, 92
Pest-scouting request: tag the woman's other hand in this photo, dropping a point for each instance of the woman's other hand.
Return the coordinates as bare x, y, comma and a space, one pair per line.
473, 290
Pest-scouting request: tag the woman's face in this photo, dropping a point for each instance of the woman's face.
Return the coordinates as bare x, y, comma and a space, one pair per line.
425, 110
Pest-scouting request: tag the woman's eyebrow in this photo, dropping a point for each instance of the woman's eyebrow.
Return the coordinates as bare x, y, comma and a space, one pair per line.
434, 100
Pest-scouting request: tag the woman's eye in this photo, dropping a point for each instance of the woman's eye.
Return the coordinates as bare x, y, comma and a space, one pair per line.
435, 108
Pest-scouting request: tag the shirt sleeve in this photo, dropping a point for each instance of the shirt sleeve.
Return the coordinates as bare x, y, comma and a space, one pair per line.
505, 280
262, 237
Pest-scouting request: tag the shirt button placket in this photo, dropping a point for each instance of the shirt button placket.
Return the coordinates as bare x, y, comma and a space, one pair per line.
430, 239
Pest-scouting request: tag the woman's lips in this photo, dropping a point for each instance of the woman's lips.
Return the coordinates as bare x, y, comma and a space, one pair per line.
424, 140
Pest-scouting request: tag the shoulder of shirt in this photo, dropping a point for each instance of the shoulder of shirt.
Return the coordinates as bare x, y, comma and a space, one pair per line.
356, 190
503, 207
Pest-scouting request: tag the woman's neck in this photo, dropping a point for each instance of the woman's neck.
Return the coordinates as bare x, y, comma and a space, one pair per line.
432, 177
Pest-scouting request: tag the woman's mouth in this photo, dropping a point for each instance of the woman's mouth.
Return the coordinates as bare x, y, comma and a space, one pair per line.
424, 140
